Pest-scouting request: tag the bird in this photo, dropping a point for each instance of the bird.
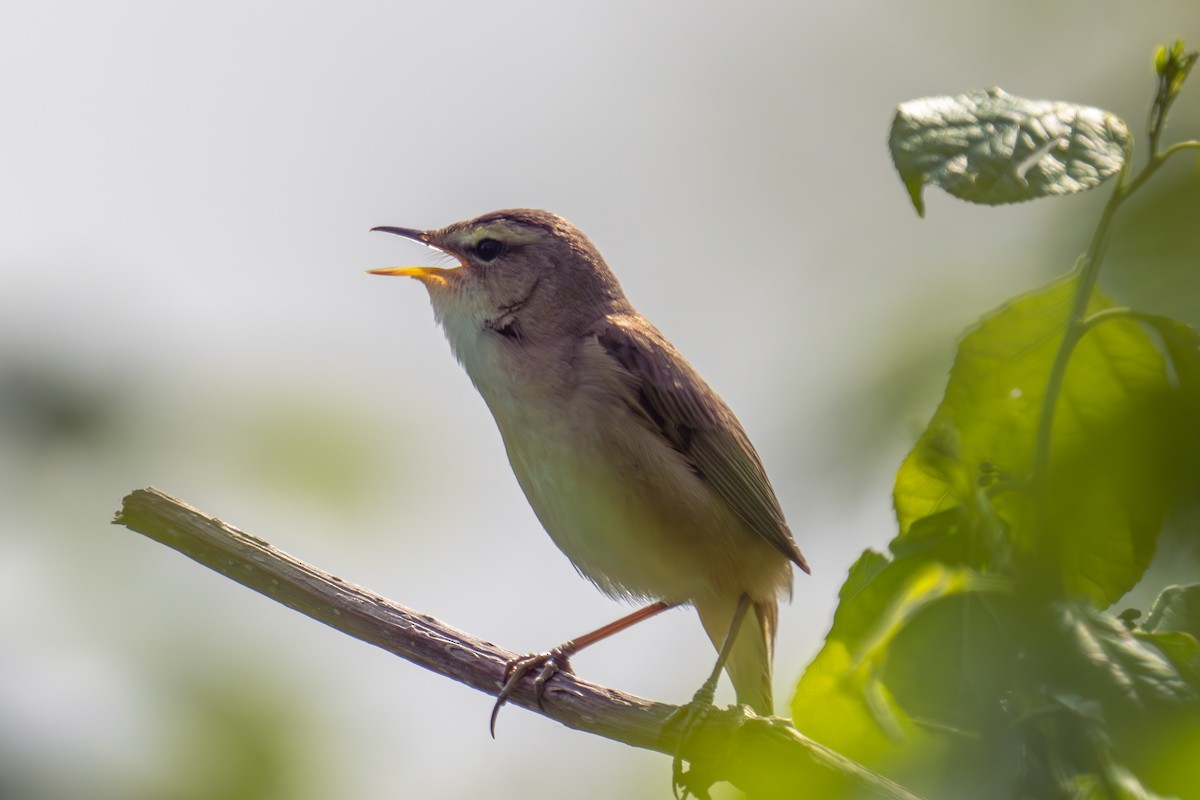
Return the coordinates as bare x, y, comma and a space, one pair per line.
640, 473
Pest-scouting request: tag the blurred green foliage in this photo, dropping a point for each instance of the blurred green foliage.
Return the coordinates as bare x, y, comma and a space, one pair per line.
981, 657
975, 659
233, 743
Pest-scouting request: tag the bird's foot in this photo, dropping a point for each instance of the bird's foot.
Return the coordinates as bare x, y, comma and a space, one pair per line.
687, 720
547, 664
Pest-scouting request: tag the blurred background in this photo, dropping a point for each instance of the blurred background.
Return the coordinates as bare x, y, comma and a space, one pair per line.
186, 195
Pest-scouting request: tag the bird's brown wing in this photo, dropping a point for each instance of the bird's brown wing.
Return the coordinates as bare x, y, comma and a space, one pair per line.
673, 399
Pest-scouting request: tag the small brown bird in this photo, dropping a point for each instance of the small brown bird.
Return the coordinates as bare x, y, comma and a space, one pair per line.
640, 473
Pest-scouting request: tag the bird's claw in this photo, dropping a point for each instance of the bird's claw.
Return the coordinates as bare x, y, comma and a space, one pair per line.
547, 664
687, 719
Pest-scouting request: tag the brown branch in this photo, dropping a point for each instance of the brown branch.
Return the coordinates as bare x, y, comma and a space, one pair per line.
765, 757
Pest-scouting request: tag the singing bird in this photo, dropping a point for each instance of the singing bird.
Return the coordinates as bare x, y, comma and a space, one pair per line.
640, 472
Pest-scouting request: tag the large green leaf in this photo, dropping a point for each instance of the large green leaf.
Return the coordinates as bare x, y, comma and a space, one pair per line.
991, 147
845, 698
1109, 486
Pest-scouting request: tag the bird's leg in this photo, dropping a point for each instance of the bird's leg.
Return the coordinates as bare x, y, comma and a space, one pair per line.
688, 718
557, 660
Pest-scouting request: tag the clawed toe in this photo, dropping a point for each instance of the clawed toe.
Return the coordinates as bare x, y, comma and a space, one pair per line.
547, 665
687, 719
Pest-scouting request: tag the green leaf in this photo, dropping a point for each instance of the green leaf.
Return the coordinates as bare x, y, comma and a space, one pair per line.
1110, 485
839, 700
1138, 709
1173, 626
844, 699
1118, 784
952, 664
1182, 343
1177, 608
1181, 649
1099, 657
991, 147
1107, 707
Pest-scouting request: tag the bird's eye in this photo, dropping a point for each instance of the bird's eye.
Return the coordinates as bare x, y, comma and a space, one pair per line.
488, 249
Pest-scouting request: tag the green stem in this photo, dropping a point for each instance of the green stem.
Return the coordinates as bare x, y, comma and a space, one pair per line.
1119, 312
1152, 166
1088, 270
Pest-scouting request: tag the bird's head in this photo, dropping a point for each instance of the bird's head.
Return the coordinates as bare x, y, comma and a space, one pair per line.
529, 273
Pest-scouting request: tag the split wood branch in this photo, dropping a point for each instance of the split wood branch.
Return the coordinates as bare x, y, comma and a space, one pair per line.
765, 757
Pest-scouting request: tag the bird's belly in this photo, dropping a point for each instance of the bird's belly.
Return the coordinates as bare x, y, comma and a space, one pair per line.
631, 516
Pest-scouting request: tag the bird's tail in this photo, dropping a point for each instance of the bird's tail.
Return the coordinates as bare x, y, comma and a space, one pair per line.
749, 664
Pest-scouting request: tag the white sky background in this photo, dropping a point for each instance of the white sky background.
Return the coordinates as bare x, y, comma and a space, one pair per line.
186, 192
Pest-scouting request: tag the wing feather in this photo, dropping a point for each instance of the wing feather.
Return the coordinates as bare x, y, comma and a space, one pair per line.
674, 400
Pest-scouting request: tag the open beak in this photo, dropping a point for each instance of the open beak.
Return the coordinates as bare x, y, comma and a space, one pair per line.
423, 274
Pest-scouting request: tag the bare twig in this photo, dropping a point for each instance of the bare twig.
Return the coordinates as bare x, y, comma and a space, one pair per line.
766, 757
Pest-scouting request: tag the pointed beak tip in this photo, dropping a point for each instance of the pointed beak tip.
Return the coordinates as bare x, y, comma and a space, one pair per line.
407, 233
